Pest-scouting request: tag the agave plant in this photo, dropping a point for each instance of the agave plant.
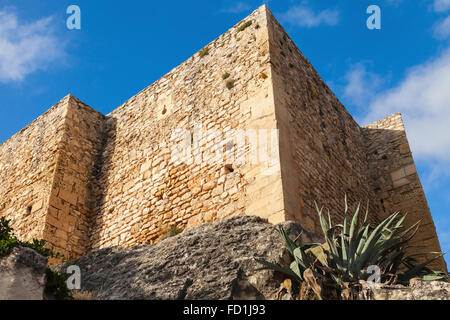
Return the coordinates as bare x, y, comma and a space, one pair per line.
349, 249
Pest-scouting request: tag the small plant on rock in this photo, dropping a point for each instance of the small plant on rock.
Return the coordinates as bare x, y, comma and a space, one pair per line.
173, 231
230, 84
204, 52
56, 285
245, 26
8, 241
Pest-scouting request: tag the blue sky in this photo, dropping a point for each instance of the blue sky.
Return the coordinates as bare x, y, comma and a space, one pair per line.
123, 47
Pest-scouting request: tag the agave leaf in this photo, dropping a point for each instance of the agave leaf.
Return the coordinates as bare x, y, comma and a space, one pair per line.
344, 247
359, 250
329, 236
294, 266
394, 262
354, 223
320, 254
345, 252
400, 222
413, 271
371, 240
398, 241
301, 258
404, 233
351, 236
323, 222
291, 245
377, 232
434, 277
330, 223
272, 266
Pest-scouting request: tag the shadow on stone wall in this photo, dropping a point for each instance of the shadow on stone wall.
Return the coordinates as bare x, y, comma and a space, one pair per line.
99, 177
396, 183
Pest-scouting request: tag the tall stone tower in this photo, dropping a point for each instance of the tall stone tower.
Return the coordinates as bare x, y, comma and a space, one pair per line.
82, 180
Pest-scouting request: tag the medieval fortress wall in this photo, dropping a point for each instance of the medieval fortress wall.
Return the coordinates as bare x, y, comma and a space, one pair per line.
45, 171
395, 180
143, 191
27, 165
82, 180
321, 146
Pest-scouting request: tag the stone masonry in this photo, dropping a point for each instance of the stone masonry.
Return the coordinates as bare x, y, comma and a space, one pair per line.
83, 181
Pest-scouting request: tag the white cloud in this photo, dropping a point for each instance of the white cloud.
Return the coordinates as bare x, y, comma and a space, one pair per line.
25, 47
423, 97
236, 8
303, 16
441, 5
361, 85
442, 29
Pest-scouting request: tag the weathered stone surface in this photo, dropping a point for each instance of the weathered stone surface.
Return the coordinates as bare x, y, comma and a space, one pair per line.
211, 261
417, 290
397, 185
22, 275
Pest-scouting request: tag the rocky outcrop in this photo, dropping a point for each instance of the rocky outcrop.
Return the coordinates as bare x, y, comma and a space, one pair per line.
211, 261
417, 290
22, 275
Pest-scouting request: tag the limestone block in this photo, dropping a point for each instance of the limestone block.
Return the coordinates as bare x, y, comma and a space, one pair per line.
410, 169
67, 196
401, 182
22, 275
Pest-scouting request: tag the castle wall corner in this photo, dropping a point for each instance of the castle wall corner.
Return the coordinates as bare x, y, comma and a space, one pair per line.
71, 199
397, 185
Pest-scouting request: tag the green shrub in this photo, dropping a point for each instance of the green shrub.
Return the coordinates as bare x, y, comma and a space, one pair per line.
230, 84
334, 269
5, 229
173, 231
204, 52
56, 285
8, 241
226, 75
245, 26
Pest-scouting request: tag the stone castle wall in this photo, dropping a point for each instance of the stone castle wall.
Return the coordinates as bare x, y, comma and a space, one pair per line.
72, 196
321, 146
112, 180
27, 165
397, 185
46, 174
144, 191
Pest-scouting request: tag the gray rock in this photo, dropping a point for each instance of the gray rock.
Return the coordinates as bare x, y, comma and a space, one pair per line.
418, 290
211, 261
22, 275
